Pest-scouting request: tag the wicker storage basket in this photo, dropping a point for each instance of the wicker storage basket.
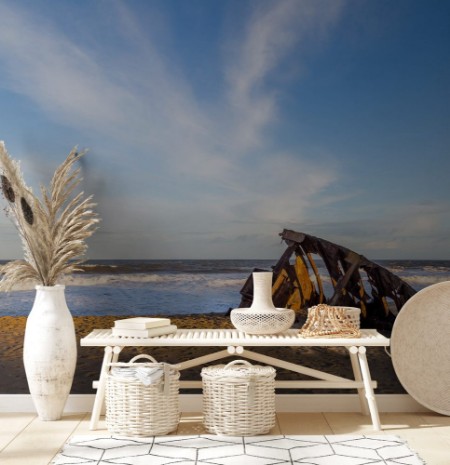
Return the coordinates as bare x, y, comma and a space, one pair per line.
332, 321
136, 409
239, 398
351, 315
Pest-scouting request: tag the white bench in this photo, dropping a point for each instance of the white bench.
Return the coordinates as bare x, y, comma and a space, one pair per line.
235, 342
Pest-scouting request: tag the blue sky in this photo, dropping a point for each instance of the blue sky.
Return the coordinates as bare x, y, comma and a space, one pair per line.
213, 125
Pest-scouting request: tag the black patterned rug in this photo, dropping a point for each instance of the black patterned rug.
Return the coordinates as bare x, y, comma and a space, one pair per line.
225, 450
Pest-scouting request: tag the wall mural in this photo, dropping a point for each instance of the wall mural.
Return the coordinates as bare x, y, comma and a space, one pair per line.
211, 127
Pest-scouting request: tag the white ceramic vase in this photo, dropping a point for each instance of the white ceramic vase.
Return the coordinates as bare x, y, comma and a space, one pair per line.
50, 351
262, 317
262, 291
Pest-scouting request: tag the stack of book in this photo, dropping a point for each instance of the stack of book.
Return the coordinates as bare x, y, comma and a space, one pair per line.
143, 327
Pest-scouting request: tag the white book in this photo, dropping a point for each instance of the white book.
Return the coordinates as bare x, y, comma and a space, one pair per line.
150, 332
141, 322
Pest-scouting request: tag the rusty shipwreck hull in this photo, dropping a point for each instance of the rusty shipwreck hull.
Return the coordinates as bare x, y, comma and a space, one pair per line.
354, 281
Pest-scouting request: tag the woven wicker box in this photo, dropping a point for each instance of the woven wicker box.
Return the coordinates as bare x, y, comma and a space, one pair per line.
332, 321
239, 398
136, 409
351, 314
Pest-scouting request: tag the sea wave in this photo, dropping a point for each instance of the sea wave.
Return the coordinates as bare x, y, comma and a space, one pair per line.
416, 280
181, 279
174, 266
420, 281
192, 286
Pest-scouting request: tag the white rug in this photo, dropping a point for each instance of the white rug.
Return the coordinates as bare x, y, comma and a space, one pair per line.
224, 450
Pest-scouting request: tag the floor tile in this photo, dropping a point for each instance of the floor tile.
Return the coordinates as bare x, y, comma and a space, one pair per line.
346, 423
39, 441
191, 423
303, 423
12, 424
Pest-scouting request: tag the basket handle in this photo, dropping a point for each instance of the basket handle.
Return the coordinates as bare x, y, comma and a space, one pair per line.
137, 357
236, 362
250, 383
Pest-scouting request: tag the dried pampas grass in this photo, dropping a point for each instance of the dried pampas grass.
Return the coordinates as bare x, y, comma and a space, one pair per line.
53, 231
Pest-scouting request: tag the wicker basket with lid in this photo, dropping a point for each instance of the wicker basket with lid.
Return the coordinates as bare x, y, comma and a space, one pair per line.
137, 409
239, 398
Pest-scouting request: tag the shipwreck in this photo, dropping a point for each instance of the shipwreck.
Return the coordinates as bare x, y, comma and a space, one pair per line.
350, 280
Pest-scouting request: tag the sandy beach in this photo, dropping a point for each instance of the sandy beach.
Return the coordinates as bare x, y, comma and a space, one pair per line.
331, 360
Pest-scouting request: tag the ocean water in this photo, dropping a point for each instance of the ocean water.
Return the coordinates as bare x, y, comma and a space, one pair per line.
173, 287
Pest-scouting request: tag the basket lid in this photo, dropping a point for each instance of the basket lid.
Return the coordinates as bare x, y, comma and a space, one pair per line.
238, 369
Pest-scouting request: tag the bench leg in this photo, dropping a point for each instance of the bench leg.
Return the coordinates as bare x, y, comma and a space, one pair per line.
111, 356
358, 377
365, 373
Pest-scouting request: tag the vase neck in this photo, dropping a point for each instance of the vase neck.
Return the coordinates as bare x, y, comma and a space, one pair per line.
262, 290
50, 299
55, 288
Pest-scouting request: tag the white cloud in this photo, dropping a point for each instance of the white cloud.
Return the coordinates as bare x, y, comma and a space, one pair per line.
52, 71
273, 31
140, 100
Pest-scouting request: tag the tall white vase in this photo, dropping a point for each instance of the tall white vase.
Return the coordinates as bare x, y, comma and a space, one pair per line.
50, 351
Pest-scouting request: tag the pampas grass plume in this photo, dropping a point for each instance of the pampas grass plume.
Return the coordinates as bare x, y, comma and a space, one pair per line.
53, 230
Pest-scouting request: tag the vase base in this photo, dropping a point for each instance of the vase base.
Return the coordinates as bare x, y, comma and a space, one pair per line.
49, 408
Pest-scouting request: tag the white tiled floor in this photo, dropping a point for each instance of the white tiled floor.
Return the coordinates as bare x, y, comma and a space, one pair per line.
25, 440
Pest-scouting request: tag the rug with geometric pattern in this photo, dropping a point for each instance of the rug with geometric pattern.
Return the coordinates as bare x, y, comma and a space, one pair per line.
225, 450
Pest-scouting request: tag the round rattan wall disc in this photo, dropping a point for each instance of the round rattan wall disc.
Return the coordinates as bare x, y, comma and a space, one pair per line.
420, 347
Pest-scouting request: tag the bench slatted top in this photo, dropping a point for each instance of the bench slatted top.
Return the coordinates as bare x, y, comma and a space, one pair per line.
230, 337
